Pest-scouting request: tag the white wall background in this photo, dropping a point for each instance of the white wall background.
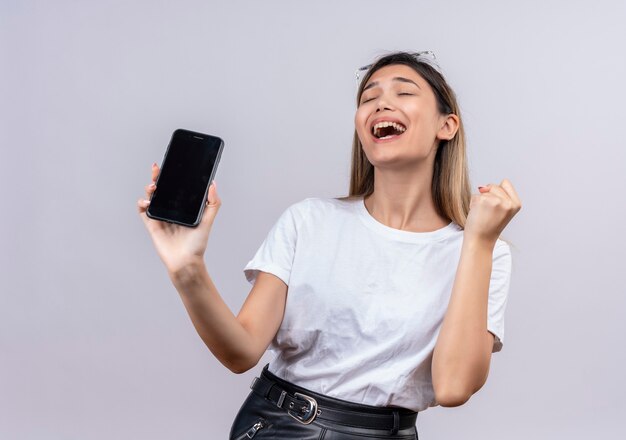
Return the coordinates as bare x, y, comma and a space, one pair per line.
95, 342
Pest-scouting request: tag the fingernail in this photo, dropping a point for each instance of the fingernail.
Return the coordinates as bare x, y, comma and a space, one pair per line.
154, 164
481, 187
152, 185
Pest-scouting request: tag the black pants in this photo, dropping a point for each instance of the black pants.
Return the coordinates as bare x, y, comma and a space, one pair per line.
260, 418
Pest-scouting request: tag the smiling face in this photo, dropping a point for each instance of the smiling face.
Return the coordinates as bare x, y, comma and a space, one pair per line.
404, 102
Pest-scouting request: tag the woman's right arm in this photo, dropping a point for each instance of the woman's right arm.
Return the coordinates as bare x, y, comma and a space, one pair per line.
237, 342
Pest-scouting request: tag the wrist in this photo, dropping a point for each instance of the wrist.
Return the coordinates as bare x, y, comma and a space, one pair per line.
186, 270
477, 241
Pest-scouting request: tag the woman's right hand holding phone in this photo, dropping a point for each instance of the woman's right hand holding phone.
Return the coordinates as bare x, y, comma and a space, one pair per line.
177, 245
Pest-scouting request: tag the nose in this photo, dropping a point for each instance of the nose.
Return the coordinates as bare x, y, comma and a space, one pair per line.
382, 104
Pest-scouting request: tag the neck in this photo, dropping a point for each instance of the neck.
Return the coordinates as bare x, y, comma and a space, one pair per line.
403, 200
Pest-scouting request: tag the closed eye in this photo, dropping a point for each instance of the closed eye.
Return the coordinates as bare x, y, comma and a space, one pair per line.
367, 100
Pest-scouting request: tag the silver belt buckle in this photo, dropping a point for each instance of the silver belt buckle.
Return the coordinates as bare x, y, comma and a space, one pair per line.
311, 412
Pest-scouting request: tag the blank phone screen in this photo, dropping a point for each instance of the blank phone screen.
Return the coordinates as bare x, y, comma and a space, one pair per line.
185, 174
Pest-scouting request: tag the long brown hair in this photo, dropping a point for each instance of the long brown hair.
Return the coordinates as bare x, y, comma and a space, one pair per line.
451, 184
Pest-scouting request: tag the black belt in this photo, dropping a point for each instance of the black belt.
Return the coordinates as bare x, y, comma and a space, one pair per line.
305, 408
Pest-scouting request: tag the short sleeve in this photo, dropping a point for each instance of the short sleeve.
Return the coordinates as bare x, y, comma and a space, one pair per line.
498, 292
276, 253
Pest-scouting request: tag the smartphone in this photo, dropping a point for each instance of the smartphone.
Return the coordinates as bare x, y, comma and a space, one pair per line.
187, 171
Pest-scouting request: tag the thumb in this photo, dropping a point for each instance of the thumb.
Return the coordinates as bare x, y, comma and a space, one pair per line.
213, 204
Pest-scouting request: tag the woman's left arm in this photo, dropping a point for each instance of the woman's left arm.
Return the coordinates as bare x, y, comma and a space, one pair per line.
462, 354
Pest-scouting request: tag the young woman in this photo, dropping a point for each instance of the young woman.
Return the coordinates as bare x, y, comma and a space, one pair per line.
377, 305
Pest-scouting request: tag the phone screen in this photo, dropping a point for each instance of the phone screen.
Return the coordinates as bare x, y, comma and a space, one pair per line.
188, 168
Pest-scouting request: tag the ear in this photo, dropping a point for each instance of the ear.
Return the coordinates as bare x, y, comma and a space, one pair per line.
449, 127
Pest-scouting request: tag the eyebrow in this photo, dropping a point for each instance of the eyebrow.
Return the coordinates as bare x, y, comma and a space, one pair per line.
397, 78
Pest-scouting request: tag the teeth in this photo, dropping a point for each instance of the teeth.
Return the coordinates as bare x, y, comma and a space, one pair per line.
379, 125
395, 125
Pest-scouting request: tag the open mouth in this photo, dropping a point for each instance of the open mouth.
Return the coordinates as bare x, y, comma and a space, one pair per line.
387, 130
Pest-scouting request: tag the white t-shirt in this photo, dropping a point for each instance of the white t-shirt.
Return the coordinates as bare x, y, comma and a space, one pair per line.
365, 302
